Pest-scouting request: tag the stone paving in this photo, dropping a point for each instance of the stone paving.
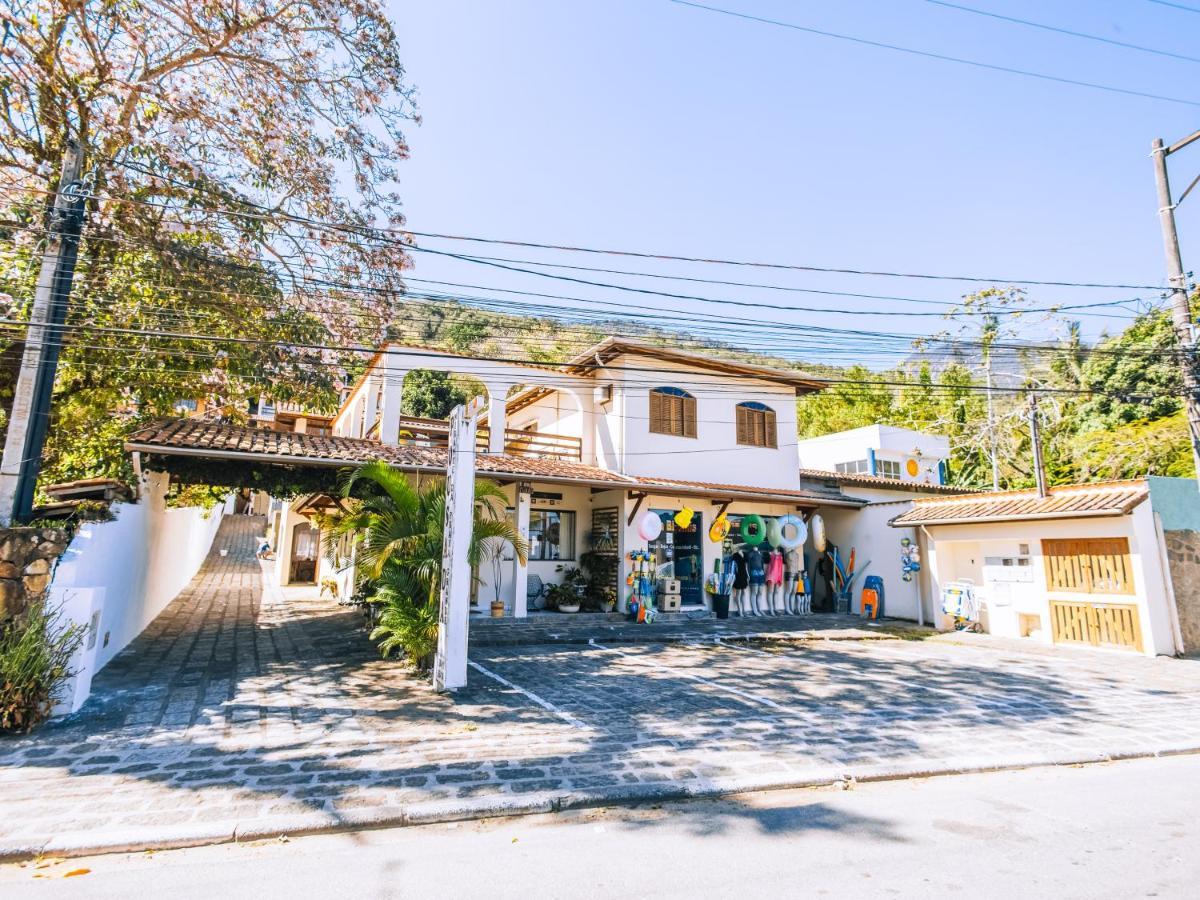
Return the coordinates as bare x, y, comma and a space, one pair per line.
245, 713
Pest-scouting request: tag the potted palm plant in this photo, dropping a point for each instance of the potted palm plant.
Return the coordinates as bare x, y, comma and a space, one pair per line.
397, 527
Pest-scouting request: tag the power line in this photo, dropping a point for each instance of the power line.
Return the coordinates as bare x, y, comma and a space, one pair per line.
939, 56
1191, 9
376, 233
535, 363
1067, 31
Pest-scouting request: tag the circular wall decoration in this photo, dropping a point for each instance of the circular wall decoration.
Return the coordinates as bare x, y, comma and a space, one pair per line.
912, 467
649, 526
817, 526
753, 530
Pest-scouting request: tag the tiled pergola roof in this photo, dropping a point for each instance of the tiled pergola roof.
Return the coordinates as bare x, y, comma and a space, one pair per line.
216, 440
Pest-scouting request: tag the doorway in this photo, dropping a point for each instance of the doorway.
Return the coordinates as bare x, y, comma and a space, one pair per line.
680, 554
306, 539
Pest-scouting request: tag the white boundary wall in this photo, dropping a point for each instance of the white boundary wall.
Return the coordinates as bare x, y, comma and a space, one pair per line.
117, 576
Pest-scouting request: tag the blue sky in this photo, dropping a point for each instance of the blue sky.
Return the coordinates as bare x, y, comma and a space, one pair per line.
645, 125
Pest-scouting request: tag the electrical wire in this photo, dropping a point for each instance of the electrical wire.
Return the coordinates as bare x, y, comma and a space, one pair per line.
378, 232
1066, 31
938, 56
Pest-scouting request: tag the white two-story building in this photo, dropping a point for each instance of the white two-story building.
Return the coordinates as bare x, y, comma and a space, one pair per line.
584, 449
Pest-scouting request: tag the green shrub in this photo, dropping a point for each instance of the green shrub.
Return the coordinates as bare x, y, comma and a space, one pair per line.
411, 628
35, 653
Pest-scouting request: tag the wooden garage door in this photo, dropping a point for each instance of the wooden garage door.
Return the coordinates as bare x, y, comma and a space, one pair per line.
1096, 624
1092, 566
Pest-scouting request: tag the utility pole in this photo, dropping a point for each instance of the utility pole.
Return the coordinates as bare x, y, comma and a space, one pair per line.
1035, 438
1185, 332
990, 327
29, 417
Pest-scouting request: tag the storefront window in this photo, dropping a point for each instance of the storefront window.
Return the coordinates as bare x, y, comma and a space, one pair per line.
551, 534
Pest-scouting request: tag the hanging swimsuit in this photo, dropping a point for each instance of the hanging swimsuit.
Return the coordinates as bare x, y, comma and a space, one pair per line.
795, 571
740, 577
756, 563
775, 568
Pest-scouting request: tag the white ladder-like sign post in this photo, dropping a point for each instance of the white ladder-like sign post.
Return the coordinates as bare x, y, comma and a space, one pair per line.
450, 664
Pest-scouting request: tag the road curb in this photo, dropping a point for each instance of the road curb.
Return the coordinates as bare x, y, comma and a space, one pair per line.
137, 839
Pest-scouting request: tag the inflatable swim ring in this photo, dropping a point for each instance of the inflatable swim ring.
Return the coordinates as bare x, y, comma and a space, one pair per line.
817, 525
649, 526
799, 535
753, 529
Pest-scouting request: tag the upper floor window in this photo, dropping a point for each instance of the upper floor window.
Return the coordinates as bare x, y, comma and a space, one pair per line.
672, 411
888, 468
856, 467
756, 425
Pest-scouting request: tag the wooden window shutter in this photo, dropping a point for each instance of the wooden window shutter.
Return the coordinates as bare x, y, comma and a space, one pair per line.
743, 425
657, 413
772, 429
688, 409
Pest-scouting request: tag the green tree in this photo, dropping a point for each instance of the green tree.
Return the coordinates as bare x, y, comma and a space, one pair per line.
430, 394
217, 133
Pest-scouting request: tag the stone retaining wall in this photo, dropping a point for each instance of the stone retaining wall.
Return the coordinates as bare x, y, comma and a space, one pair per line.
1183, 557
27, 560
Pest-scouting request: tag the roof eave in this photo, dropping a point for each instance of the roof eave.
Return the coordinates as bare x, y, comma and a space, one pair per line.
1110, 512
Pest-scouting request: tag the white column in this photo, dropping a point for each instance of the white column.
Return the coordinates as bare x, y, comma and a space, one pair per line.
450, 664
283, 550
389, 422
521, 570
497, 420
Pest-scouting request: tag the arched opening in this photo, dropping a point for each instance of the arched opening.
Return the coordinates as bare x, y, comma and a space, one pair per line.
306, 543
433, 393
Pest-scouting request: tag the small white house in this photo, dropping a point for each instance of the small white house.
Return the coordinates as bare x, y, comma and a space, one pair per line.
1107, 565
883, 450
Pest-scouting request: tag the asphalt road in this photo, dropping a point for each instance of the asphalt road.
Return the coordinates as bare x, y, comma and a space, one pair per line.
1114, 830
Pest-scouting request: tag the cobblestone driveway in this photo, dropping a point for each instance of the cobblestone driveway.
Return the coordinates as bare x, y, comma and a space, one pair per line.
239, 713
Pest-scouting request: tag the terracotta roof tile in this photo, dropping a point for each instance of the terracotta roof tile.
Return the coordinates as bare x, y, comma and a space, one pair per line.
194, 437
1111, 498
879, 481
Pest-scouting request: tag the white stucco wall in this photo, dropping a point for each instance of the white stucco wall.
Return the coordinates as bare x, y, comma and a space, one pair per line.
117, 576
714, 454
886, 442
960, 550
577, 499
866, 530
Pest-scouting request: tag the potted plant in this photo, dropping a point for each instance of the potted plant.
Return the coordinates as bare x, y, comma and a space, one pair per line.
567, 596
601, 578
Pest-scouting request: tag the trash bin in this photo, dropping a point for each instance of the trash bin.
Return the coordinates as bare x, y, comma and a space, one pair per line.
721, 605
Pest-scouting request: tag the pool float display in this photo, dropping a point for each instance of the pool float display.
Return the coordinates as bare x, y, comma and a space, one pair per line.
649, 526
799, 532
719, 529
684, 517
817, 526
753, 530
774, 532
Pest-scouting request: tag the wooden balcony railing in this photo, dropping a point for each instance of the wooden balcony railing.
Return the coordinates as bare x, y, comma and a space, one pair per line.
535, 444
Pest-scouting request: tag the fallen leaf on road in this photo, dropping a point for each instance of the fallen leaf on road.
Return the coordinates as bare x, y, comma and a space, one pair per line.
514, 840
75, 872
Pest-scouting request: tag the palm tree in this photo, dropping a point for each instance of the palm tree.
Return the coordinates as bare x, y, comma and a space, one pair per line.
398, 529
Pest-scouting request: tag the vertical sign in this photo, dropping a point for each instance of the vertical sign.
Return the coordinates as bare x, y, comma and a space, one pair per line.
450, 663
